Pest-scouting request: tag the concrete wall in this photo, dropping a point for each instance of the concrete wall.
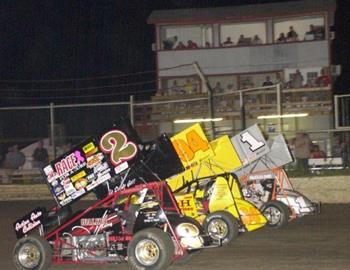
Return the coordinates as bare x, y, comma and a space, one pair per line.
335, 189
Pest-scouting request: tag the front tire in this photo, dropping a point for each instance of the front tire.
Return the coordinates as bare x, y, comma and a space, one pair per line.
276, 213
221, 226
150, 249
32, 252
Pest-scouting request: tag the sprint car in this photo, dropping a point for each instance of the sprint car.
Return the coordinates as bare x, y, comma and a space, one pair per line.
266, 184
217, 203
134, 219
207, 190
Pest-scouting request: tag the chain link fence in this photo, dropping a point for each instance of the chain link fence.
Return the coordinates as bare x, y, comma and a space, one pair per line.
62, 126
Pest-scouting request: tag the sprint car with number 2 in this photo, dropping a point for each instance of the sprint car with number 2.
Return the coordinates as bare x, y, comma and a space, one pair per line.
133, 220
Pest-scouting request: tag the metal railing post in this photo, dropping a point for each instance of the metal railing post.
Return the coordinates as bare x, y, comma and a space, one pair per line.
279, 107
52, 129
131, 108
242, 110
210, 97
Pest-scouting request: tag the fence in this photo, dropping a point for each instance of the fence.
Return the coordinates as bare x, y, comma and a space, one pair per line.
287, 111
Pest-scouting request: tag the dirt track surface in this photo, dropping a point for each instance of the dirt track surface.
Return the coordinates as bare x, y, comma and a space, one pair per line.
313, 242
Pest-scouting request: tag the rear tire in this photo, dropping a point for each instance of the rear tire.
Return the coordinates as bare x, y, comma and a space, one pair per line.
151, 249
276, 213
32, 252
222, 226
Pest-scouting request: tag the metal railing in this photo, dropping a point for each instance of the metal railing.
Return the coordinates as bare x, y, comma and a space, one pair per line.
65, 125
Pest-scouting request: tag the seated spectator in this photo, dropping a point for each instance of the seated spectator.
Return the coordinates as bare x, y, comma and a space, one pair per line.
323, 80
310, 35
228, 42
188, 87
292, 35
191, 45
40, 156
175, 89
281, 39
218, 88
180, 46
14, 159
339, 147
257, 40
267, 82
169, 43
297, 80
316, 152
207, 44
241, 40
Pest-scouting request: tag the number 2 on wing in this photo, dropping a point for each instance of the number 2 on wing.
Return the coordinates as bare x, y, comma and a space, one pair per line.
115, 144
254, 144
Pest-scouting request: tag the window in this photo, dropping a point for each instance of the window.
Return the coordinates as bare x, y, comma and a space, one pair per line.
299, 29
186, 37
243, 34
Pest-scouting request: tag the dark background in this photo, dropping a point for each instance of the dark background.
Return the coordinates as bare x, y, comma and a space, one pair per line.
53, 40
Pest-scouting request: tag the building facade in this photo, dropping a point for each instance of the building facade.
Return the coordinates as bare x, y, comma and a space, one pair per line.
246, 47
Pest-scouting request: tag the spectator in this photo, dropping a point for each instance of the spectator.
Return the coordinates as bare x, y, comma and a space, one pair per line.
281, 39
14, 159
40, 156
189, 88
297, 79
191, 45
267, 82
180, 46
338, 148
241, 40
207, 44
316, 152
292, 35
324, 79
218, 88
302, 149
169, 43
228, 42
310, 35
257, 40
175, 89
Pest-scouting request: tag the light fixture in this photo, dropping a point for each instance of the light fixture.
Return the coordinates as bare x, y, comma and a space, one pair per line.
274, 116
181, 121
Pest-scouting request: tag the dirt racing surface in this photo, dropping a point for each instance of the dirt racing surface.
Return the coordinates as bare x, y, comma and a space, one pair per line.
313, 242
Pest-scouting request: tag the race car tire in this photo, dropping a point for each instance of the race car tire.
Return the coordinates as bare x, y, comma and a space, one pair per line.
276, 213
222, 226
150, 248
32, 252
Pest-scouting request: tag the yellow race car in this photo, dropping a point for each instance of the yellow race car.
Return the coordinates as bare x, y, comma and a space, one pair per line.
206, 192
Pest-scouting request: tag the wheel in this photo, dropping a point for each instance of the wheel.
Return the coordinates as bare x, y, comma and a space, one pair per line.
221, 226
32, 252
277, 213
150, 249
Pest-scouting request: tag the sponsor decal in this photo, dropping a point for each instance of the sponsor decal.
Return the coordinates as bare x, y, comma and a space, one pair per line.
90, 147
94, 221
94, 160
78, 176
29, 222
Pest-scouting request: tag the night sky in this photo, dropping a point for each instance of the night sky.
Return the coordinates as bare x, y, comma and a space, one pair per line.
45, 42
